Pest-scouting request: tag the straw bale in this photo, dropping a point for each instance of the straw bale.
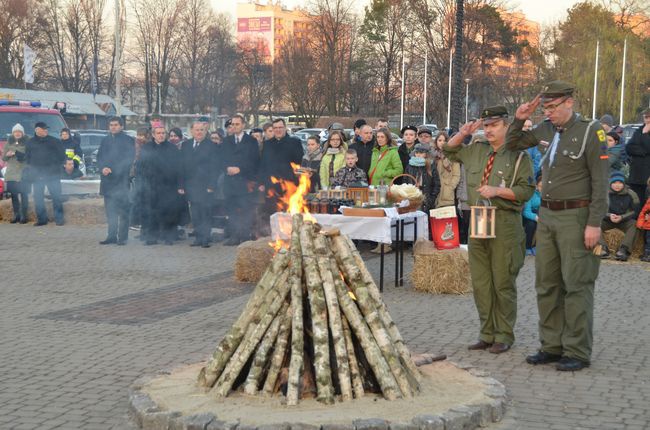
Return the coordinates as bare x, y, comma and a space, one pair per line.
77, 211
252, 259
613, 239
440, 271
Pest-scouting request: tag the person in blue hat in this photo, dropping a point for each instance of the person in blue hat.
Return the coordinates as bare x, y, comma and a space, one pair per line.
623, 205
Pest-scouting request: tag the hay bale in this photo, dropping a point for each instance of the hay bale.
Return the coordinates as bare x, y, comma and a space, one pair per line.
252, 259
440, 272
77, 211
613, 239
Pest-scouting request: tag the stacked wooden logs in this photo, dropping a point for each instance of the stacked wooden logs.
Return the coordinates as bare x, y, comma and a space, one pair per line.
315, 326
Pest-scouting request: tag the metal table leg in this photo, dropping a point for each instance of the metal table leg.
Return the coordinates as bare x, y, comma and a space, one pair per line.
397, 242
381, 270
401, 255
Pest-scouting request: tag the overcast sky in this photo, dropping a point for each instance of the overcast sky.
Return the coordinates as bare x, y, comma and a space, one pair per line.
544, 12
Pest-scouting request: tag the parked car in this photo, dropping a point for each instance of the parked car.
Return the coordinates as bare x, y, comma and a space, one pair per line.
90, 140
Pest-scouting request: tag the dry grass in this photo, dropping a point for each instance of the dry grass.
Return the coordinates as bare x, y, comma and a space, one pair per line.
613, 239
86, 211
440, 272
252, 259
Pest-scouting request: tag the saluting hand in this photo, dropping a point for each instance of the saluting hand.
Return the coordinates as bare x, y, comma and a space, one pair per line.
527, 109
470, 128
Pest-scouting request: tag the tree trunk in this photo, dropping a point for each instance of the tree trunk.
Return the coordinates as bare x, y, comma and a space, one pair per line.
297, 341
211, 372
355, 375
334, 314
324, 387
279, 354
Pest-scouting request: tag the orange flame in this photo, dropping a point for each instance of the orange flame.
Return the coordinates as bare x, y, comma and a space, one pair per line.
292, 199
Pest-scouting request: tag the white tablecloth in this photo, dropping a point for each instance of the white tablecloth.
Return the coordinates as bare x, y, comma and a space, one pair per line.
79, 186
376, 229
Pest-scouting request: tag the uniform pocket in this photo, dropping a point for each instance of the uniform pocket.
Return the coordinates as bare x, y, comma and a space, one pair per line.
584, 266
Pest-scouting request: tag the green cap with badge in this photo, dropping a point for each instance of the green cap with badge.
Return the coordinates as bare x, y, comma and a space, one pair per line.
555, 89
493, 113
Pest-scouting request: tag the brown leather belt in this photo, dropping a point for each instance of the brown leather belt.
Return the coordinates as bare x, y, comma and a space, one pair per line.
558, 205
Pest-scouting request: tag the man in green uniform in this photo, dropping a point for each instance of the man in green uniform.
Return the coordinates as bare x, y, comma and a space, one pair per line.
505, 179
574, 201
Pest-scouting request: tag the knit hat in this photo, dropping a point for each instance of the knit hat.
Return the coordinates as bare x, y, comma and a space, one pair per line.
19, 128
421, 147
607, 119
616, 177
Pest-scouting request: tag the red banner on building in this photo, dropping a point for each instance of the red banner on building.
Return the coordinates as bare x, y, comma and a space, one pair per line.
262, 24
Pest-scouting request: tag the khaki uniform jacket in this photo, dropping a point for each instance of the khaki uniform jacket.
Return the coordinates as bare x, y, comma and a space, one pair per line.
573, 176
475, 158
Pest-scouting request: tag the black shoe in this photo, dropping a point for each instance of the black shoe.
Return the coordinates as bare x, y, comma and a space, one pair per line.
568, 364
645, 257
151, 242
622, 254
60, 223
232, 242
541, 357
121, 242
196, 243
14, 220
205, 244
40, 223
169, 242
108, 241
23, 221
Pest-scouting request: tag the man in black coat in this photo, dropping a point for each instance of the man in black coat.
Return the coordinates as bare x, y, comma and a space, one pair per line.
638, 150
240, 159
277, 155
114, 159
44, 156
159, 168
364, 145
198, 180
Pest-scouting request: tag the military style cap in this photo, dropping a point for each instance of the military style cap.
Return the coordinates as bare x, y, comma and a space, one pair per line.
554, 89
425, 130
408, 127
646, 112
493, 113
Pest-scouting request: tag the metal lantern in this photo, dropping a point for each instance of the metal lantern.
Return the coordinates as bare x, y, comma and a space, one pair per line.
482, 221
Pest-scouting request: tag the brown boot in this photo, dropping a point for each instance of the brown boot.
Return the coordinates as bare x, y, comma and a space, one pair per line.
480, 345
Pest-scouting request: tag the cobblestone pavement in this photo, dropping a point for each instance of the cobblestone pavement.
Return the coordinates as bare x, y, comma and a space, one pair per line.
80, 322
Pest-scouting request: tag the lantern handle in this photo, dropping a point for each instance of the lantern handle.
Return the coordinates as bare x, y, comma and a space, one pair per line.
483, 202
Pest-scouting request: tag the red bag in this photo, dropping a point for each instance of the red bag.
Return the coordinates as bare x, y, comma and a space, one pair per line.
444, 228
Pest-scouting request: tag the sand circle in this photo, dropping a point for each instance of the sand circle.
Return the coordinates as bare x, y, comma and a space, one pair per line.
451, 397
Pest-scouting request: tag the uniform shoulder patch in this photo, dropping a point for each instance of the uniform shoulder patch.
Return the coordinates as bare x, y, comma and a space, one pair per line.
601, 135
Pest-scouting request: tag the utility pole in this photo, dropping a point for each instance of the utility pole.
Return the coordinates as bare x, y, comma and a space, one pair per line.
457, 103
593, 107
118, 75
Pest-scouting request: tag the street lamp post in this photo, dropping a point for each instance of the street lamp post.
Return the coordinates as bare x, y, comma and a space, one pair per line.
159, 105
467, 80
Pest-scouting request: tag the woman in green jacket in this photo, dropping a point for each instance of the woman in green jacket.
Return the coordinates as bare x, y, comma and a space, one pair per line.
385, 164
333, 157
13, 155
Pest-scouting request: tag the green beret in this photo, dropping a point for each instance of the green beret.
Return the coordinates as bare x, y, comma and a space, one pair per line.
493, 113
555, 89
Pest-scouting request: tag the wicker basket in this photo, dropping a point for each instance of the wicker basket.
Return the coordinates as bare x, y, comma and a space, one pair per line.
414, 204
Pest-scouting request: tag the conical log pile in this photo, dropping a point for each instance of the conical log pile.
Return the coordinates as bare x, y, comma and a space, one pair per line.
315, 326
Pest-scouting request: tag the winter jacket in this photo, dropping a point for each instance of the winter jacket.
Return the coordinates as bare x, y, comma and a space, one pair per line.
429, 184
330, 164
312, 162
15, 163
536, 158
200, 168
116, 152
347, 176
405, 153
159, 168
617, 157
364, 153
276, 159
44, 157
385, 165
624, 203
449, 172
72, 149
638, 150
245, 156
643, 223
531, 208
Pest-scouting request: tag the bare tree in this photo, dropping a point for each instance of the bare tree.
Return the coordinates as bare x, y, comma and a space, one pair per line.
255, 78
158, 41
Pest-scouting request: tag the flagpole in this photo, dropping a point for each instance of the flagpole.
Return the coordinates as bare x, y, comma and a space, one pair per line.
451, 51
424, 110
401, 116
593, 107
118, 77
623, 80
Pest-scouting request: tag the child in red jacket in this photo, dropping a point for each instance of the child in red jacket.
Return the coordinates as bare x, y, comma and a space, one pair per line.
643, 223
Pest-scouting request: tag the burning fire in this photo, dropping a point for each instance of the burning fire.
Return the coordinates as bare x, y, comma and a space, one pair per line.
292, 201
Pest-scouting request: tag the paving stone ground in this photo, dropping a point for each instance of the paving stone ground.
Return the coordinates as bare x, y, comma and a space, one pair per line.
80, 322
